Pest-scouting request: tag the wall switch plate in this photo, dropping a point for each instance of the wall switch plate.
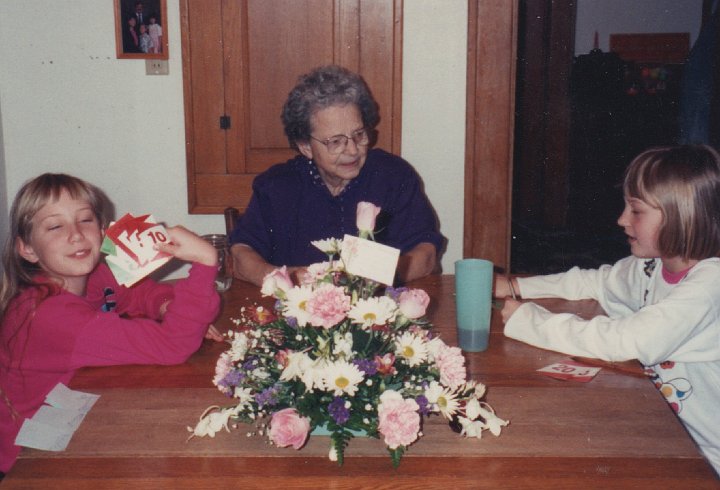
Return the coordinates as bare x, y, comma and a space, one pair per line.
156, 67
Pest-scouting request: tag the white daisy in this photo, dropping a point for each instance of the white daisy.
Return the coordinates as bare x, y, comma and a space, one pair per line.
442, 400
373, 311
411, 348
342, 377
296, 304
328, 246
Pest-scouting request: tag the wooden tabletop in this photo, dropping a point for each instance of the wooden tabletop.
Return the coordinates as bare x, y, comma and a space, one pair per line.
615, 431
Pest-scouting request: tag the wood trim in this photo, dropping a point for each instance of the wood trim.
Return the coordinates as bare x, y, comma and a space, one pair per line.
188, 106
492, 47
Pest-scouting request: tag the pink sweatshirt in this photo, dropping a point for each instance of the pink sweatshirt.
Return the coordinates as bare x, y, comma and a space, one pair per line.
67, 332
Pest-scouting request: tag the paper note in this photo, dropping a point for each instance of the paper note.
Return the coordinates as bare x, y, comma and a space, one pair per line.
43, 436
570, 370
63, 397
54, 424
369, 259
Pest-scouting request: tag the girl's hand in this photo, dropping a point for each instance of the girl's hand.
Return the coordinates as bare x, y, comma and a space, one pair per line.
502, 286
186, 245
509, 308
213, 334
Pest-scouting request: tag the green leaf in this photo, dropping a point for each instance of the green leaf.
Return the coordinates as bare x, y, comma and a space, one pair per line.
396, 455
340, 440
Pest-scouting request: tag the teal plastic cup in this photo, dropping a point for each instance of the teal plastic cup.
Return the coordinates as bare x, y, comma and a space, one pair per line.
473, 301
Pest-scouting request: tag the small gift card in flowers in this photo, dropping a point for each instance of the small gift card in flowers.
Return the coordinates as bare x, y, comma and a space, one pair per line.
369, 259
130, 247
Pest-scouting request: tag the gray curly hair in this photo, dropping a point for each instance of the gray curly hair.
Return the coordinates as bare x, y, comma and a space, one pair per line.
321, 88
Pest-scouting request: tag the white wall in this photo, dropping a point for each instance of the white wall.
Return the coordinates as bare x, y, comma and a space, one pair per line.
4, 225
633, 17
433, 136
67, 104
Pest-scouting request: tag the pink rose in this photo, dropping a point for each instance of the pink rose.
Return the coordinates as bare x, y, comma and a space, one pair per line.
278, 279
328, 306
288, 428
398, 419
413, 303
366, 214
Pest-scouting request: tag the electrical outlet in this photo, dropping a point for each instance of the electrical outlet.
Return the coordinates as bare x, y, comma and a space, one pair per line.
156, 67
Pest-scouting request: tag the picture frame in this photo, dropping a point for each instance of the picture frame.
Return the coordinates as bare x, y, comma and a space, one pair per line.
140, 29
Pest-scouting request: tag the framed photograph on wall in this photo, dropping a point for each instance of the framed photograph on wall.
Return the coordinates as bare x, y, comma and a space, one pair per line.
140, 30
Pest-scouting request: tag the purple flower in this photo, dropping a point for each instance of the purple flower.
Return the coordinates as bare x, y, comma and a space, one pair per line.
338, 411
424, 406
250, 364
268, 396
367, 366
233, 378
395, 293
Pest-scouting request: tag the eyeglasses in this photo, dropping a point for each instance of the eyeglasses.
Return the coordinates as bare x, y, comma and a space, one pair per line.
337, 144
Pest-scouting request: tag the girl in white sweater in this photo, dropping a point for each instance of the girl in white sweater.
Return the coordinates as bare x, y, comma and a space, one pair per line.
662, 303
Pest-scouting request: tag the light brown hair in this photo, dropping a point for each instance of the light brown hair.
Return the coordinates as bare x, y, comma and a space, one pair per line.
18, 273
684, 183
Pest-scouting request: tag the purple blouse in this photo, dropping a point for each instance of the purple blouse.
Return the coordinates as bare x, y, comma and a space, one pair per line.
291, 206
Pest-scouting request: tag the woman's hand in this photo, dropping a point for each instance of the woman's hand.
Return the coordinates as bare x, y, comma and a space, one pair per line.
186, 245
509, 308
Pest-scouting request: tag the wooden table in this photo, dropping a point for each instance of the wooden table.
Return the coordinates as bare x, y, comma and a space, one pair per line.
613, 432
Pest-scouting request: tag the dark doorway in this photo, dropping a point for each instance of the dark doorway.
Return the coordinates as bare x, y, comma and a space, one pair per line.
579, 122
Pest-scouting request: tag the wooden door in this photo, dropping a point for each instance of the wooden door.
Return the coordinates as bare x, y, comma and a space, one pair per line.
240, 60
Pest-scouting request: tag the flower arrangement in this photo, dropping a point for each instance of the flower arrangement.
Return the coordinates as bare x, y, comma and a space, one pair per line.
343, 355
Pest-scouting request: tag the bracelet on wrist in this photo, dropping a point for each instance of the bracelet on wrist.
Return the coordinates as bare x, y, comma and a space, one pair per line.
512, 288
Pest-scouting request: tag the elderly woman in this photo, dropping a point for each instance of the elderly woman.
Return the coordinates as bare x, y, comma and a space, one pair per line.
329, 117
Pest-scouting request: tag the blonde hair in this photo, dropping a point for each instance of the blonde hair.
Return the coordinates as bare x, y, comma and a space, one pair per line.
684, 183
32, 196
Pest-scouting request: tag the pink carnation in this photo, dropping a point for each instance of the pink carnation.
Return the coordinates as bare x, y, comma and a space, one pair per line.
413, 303
288, 428
327, 306
451, 363
398, 419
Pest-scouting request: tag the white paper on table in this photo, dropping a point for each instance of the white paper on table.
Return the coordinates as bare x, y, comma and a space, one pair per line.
369, 259
53, 425
59, 417
63, 397
43, 436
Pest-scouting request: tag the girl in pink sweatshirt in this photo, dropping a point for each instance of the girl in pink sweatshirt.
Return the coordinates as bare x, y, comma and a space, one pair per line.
61, 309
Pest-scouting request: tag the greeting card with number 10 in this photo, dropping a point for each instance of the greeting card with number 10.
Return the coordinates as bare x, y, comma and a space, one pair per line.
129, 244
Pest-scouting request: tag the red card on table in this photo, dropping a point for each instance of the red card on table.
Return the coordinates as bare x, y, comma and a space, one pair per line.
570, 371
